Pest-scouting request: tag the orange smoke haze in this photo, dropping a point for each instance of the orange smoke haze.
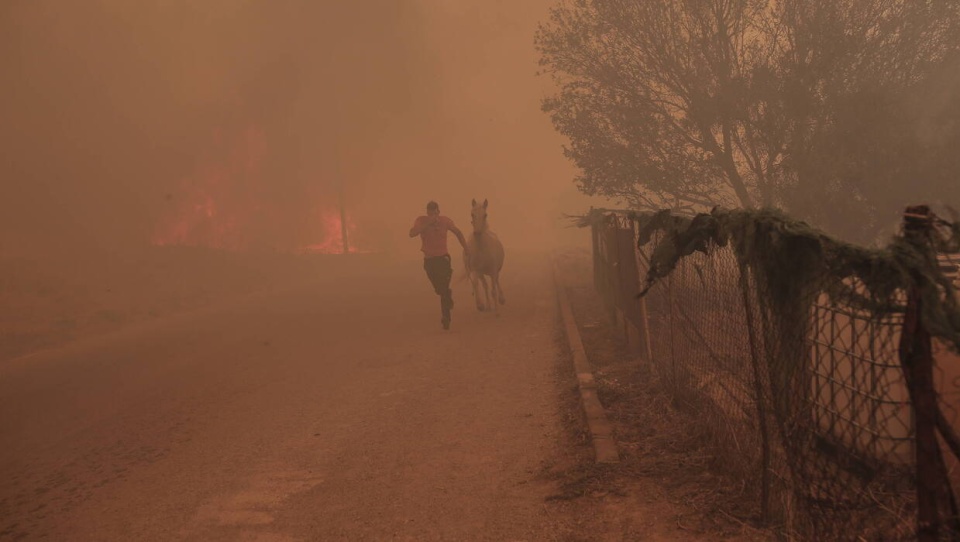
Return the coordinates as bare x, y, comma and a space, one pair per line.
244, 125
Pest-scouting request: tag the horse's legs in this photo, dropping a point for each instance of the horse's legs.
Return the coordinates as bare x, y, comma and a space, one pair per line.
476, 291
486, 290
495, 286
500, 297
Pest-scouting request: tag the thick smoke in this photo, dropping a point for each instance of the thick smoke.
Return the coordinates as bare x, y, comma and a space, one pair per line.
244, 124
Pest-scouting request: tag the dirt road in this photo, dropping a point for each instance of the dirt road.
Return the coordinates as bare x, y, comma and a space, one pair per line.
335, 410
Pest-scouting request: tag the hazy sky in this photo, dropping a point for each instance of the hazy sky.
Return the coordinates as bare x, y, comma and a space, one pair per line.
232, 122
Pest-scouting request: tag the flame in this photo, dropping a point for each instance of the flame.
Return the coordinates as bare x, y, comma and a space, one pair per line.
217, 207
331, 234
212, 207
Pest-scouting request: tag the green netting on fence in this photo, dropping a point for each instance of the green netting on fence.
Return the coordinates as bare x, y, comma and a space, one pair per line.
790, 256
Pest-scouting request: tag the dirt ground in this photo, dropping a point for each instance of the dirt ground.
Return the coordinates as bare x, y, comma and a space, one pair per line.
45, 302
663, 490
666, 486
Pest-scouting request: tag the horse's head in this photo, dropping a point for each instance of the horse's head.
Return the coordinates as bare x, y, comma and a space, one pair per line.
478, 217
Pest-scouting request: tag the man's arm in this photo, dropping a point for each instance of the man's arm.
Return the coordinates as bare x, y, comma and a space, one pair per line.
463, 242
420, 225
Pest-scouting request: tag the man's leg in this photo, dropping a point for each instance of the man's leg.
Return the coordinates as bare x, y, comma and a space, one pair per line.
446, 294
439, 272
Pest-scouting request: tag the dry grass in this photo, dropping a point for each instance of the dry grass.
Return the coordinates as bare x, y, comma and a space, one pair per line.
666, 440
666, 448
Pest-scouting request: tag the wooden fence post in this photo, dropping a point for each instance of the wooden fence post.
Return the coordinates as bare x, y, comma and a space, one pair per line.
758, 388
916, 358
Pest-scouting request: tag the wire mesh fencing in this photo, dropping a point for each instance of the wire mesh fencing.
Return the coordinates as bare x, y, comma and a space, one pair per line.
805, 357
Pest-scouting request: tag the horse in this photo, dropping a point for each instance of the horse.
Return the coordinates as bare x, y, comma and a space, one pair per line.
484, 258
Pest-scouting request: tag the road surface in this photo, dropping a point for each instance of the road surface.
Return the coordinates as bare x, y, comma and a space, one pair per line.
334, 410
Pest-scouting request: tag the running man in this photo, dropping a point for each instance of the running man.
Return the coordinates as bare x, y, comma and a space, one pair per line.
432, 230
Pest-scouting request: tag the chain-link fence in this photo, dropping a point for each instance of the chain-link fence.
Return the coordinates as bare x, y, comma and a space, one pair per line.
803, 354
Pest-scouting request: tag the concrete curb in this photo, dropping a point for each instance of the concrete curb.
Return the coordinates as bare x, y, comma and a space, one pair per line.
601, 431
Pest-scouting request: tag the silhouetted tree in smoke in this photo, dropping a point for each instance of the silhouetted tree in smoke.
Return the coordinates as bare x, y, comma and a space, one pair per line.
695, 103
